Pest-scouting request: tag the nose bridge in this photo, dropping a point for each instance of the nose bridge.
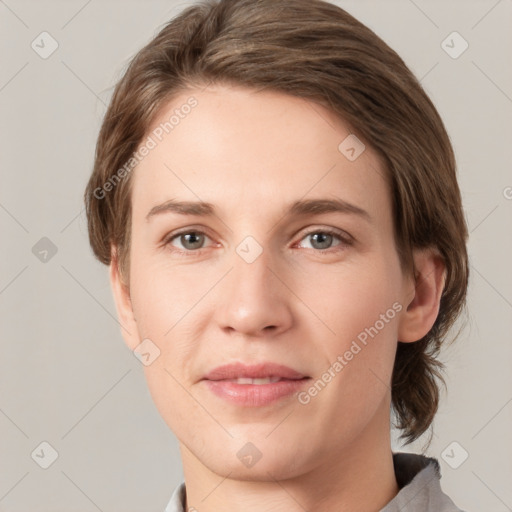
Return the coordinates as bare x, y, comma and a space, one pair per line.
251, 275
253, 298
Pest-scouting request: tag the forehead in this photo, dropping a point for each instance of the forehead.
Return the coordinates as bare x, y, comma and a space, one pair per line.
247, 149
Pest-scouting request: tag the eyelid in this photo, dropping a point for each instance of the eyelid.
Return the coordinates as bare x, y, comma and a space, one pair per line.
343, 235
190, 229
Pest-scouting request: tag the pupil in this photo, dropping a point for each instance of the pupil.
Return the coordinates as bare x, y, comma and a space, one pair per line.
322, 238
191, 239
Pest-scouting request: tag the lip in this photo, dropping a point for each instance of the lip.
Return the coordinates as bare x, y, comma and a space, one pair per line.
220, 382
253, 371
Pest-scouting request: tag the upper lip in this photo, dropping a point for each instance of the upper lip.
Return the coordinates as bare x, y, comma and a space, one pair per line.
254, 371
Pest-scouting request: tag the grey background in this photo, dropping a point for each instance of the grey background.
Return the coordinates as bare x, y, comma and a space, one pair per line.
66, 376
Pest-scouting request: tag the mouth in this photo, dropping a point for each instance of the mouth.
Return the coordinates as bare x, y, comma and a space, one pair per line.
263, 370
254, 385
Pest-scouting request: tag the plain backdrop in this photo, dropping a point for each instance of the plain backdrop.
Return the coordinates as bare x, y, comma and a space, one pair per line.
66, 376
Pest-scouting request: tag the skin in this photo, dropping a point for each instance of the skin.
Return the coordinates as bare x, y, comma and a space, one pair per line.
251, 154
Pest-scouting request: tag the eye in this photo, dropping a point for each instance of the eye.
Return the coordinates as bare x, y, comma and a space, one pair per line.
191, 241
322, 240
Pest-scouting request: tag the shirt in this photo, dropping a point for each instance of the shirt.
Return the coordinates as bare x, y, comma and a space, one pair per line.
418, 478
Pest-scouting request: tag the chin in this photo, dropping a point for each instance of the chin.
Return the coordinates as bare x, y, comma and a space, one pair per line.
248, 463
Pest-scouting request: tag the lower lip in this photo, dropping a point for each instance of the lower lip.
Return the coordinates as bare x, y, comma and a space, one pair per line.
254, 395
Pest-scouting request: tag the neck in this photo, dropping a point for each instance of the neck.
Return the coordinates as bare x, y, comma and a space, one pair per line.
359, 476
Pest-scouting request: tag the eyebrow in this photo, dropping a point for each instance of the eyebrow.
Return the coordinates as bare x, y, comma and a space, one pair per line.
298, 208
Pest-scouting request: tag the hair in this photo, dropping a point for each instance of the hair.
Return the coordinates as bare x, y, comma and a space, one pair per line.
316, 51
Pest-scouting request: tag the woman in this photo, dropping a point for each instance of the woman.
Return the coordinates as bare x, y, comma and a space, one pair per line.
276, 197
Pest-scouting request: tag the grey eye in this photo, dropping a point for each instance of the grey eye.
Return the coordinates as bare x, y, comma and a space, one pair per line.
192, 240
321, 240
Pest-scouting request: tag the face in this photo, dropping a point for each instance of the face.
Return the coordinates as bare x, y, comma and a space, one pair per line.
252, 279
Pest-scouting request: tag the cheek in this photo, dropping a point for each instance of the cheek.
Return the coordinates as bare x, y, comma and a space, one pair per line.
162, 294
360, 308
354, 379
166, 301
164, 308
167, 313
351, 300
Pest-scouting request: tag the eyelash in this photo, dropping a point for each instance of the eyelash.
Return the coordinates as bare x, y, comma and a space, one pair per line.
344, 240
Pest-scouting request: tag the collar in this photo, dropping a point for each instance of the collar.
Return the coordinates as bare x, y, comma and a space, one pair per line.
418, 478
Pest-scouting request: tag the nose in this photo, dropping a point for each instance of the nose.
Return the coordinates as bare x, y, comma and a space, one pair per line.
253, 300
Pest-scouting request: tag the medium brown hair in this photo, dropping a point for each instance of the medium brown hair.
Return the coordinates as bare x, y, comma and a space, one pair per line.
314, 50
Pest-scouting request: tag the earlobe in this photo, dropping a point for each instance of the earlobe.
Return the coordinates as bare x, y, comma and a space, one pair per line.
122, 299
423, 301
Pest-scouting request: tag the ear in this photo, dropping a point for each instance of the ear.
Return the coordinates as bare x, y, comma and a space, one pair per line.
121, 292
422, 295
